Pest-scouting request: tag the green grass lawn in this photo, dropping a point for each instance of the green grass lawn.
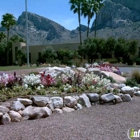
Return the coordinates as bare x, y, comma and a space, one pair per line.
8, 68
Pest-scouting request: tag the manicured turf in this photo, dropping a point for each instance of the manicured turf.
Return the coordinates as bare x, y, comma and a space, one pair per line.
8, 68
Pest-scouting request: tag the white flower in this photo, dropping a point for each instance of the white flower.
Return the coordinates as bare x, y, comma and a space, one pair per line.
25, 86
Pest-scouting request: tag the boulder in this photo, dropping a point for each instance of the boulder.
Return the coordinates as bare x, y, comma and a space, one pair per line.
81, 69
118, 99
107, 97
127, 90
50, 105
126, 98
57, 110
57, 102
40, 112
78, 106
15, 116
84, 100
70, 101
40, 101
93, 97
3, 109
67, 109
27, 112
25, 102
5, 119
119, 79
137, 93
17, 105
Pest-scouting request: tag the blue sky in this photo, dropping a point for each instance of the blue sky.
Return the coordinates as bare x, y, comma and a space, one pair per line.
56, 10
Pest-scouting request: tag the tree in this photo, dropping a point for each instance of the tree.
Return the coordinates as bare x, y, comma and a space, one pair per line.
8, 20
97, 5
76, 8
110, 46
2, 36
90, 48
88, 11
132, 47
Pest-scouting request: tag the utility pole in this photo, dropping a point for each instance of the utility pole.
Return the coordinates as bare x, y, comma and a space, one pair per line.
27, 46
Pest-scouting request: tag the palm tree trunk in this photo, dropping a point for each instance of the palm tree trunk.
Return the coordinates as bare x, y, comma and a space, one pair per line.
7, 52
88, 27
79, 20
95, 33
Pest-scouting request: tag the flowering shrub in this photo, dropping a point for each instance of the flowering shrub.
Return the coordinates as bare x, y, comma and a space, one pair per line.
90, 79
31, 80
47, 80
8, 80
104, 67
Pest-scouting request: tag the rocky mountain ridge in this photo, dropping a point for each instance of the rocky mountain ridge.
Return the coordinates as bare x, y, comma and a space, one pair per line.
117, 18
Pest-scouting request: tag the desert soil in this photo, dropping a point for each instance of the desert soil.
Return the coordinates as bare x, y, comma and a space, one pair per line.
99, 122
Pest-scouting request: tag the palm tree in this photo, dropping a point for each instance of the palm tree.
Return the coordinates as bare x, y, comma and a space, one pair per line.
8, 20
2, 36
97, 6
76, 8
88, 11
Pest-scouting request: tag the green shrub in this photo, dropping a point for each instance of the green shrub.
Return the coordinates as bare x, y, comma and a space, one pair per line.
111, 79
131, 82
137, 61
136, 75
34, 72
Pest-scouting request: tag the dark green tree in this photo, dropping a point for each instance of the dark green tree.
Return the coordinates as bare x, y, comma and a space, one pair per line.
8, 20
76, 8
110, 46
97, 5
2, 36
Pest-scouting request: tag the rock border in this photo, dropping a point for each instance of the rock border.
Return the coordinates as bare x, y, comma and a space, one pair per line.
42, 106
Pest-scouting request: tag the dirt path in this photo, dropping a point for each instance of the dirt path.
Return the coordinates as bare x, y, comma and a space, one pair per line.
100, 122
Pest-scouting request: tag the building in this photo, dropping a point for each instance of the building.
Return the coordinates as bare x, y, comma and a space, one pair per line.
36, 51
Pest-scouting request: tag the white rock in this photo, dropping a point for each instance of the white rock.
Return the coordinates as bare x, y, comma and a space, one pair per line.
70, 101
81, 69
79, 106
107, 97
25, 102
121, 85
136, 88
40, 101
50, 105
120, 95
5, 119
84, 100
119, 79
137, 93
67, 109
4, 109
127, 90
57, 102
93, 97
27, 112
57, 110
40, 112
15, 116
17, 105
118, 99
126, 98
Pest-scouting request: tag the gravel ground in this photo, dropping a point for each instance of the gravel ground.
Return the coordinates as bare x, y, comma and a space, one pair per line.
99, 122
